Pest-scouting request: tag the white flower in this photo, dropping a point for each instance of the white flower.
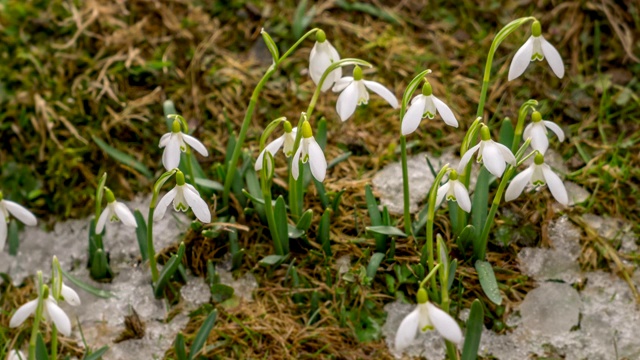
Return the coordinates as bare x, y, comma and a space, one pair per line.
288, 140
538, 174
494, 155
16, 355
310, 151
323, 54
537, 132
536, 48
354, 93
454, 191
176, 142
11, 208
70, 296
183, 196
426, 316
426, 105
51, 310
115, 211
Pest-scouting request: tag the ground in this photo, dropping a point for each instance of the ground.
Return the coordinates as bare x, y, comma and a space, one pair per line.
78, 73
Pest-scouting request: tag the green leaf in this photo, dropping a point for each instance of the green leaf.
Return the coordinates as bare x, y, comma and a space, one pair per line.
301, 20
488, 281
181, 351
335, 203
372, 207
272, 260
466, 237
323, 232
88, 288
141, 234
474, 331
253, 198
280, 213
304, 223
338, 159
41, 348
203, 334
271, 45
321, 133
386, 230
480, 202
374, 263
209, 184
322, 193
12, 236
234, 248
452, 272
95, 355
294, 232
169, 108
100, 266
221, 292
368, 9
255, 193
168, 270
506, 133
122, 157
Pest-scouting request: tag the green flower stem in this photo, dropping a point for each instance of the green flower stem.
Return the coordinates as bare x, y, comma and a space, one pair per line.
265, 181
152, 206
481, 250
233, 163
522, 115
405, 185
433, 271
54, 342
502, 34
37, 317
431, 214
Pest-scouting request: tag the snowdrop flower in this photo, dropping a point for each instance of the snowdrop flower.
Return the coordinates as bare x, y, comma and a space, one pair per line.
426, 105
310, 151
183, 196
536, 48
16, 355
175, 142
51, 311
538, 174
454, 190
11, 208
288, 140
354, 93
537, 132
323, 54
426, 316
494, 155
115, 211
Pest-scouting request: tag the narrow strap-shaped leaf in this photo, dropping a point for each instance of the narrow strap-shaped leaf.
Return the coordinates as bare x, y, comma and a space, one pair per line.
474, 331
141, 235
386, 230
95, 355
323, 232
203, 334
123, 157
88, 288
480, 201
506, 132
488, 281
374, 263
280, 212
13, 239
304, 223
181, 351
167, 272
41, 348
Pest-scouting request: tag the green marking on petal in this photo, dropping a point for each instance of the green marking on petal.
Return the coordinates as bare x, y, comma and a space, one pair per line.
429, 115
182, 207
539, 183
537, 56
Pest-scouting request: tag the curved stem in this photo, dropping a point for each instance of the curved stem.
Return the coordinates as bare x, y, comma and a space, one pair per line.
152, 251
502, 34
405, 185
431, 218
522, 115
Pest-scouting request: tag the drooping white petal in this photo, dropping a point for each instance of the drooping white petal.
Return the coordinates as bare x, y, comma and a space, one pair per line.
195, 144
467, 157
317, 161
430, 109
462, 196
164, 140
385, 93
70, 296
20, 213
445, 324
171, 155
407, 330
161, 208
527, 131
59, 318
318, 62
518, 184
272, 147
124, 214
342, 83
553, 57
506, 153
413, 116
199, 206
289, 142
3, 232
347, 101
521, 59
555, 185
442, 191
493, 159
102, 220
23, 313
295, 163
555, 128
445, 112
539, 140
